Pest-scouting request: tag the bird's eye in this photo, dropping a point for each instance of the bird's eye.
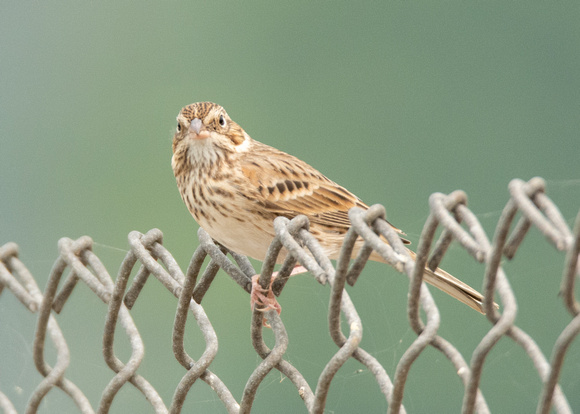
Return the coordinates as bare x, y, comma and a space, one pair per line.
222, 121
178, 127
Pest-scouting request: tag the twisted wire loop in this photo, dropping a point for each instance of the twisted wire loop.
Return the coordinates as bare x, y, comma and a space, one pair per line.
372, 224
147, 256
529, 198
20, 281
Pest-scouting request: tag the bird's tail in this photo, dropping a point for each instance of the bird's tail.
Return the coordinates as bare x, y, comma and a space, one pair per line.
449, 284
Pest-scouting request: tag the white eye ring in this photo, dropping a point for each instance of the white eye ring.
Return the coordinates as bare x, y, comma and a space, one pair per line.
178, 127
222, 121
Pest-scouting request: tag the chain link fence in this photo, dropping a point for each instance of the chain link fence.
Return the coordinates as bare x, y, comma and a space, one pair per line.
148, 257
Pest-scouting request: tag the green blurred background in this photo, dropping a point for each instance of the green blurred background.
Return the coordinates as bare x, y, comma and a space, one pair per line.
393, 100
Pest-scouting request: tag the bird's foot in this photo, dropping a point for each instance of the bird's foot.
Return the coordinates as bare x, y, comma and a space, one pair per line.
262, 299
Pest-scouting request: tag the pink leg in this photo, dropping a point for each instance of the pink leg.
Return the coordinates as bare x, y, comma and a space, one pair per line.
265, 299
298, 269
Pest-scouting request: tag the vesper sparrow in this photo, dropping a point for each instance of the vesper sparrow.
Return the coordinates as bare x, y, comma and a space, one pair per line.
235, 187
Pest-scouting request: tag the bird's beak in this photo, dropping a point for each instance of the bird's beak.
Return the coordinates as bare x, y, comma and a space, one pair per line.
195, 127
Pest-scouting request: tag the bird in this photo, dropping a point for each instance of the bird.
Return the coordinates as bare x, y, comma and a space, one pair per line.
235, 186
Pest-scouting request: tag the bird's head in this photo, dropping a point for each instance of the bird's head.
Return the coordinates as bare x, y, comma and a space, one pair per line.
206, 133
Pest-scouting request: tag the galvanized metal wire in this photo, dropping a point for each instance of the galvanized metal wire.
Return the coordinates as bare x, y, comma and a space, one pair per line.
148, 257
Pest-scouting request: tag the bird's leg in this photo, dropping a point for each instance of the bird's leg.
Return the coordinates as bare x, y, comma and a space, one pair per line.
264, 298
298, 269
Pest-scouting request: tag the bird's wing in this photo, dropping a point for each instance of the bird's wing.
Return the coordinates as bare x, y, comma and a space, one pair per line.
289, 187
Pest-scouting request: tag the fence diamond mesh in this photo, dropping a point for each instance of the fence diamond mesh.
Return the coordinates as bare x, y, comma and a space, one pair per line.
148, 257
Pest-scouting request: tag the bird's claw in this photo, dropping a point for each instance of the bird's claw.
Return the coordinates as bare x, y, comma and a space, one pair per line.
262, 299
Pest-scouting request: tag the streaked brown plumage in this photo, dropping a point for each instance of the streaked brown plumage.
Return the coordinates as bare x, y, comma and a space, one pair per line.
235, 187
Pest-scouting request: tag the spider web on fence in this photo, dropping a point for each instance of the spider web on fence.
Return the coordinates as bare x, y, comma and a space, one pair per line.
148, 257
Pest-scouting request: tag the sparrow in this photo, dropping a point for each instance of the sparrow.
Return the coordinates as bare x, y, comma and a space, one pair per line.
235, 186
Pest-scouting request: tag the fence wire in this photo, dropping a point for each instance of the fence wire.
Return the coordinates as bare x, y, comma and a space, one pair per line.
148, 254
